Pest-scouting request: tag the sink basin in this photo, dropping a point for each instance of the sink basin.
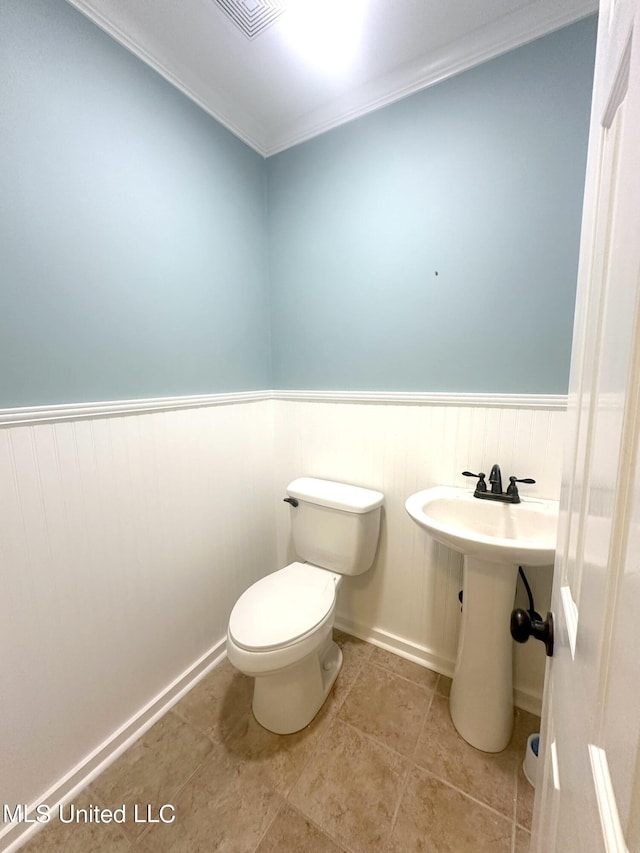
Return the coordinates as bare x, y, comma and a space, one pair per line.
495, 538
521, 534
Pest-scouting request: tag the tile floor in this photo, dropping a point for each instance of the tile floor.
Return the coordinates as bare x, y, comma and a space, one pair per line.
381, 768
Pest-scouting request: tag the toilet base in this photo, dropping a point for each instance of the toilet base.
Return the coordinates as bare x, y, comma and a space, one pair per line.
285, 702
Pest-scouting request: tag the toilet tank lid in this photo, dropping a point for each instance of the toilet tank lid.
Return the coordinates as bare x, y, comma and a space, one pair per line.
335, 495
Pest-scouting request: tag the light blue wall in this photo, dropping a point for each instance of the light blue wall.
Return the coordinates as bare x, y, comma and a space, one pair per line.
479, 178
132, 226
136, 259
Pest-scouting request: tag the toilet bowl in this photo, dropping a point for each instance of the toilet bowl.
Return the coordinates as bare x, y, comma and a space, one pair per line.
280, 629
280, 633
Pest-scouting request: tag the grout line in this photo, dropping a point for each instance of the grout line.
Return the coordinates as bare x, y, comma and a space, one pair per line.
403, 783
314, 751
341, 844
401, 793
464, 793
195, 726
515, 792
356, 676
270, 824
406, 678
422, 726
174, 796
96, 798
331, 717
438, 682
205, 760
411, 759
377, 742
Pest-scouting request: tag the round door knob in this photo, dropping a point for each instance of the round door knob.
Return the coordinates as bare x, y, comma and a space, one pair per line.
523, 626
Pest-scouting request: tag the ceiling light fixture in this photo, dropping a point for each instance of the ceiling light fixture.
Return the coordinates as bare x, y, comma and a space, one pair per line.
326, 33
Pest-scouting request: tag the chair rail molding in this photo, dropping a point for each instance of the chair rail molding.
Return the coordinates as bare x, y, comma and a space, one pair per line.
78, 411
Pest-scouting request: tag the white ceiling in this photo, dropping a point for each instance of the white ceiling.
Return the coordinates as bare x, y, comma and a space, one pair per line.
270, 95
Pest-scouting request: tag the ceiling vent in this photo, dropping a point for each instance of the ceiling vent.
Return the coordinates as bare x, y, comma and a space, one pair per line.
252, 17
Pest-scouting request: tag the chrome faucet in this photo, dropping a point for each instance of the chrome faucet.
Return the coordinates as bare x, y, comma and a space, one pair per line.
495, 478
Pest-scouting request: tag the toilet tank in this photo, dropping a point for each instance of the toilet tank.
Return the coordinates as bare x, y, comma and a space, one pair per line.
335, 525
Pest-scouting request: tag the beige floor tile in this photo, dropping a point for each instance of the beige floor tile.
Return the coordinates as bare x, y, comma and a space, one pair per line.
406, 668
280, 758
217, 703
227, 807
435, 818
523, 841
524, 724
488, 777
387, 707
345, 774
58, 837
351, 788
291, 832
355, 653
443, 687
524, 800
152, 770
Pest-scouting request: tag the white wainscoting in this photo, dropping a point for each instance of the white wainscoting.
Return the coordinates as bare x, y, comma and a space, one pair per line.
124, 542
409, 601
129, 529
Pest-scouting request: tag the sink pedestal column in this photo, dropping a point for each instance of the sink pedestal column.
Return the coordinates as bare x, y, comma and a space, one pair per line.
482, 691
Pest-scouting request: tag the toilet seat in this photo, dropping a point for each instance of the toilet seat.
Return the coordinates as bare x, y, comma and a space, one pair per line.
283, 607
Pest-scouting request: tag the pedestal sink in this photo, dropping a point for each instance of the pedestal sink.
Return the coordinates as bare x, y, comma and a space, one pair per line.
495, 538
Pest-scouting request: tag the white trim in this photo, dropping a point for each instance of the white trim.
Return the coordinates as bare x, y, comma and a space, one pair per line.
555, 773
398, 645
77, 411
528, 700
138, 51
12, 837
570, 611
512, 31
476, 48
612, 834
430, 398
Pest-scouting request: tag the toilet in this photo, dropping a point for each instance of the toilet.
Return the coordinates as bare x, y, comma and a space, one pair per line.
280, 629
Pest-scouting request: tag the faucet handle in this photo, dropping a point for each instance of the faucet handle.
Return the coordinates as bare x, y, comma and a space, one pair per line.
481, 486
512, 489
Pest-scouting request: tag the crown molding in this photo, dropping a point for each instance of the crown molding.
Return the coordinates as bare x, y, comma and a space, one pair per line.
525, 25
221, 115
512, 31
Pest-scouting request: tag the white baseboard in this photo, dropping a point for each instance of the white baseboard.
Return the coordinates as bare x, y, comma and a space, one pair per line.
398, 645
527, 699
524, 698
12, 837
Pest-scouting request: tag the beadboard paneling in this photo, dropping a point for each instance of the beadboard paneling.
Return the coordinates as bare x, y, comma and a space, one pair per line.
125, 540
409, 600
124, 543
